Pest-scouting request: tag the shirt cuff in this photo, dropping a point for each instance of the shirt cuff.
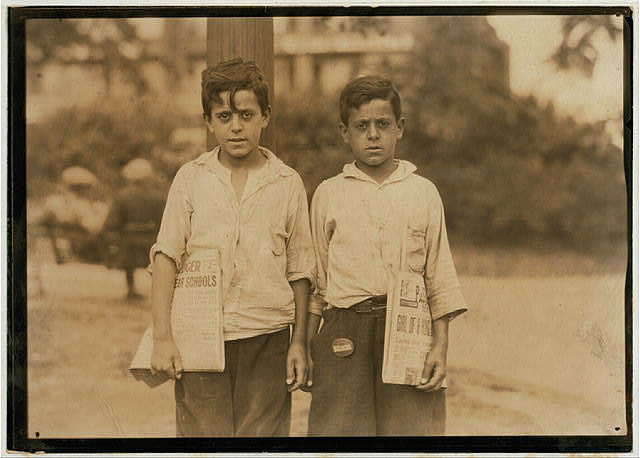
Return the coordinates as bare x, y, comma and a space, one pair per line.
449, 303
309, 275
317, 304
159, 248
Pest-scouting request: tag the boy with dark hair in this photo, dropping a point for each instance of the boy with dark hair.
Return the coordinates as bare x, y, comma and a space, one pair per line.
358, 221
241, 199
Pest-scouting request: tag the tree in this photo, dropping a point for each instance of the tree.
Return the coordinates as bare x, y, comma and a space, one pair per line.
510, 169
577, 49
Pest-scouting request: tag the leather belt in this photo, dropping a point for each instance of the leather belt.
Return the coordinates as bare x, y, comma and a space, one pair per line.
373, 304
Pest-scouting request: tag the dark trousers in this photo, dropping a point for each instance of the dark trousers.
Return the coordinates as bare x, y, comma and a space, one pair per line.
348, 396
249, 398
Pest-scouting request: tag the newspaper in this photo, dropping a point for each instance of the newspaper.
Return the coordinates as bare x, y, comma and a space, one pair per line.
196, 319
408, 329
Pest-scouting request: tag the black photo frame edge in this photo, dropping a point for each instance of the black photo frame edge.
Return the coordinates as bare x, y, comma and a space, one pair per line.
17, 389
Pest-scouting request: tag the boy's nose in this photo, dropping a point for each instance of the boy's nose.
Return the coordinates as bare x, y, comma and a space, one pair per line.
372, 132
236, 125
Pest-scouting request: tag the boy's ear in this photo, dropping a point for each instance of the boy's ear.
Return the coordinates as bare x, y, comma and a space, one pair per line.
266, 116
400, 124
207, 120
344, 131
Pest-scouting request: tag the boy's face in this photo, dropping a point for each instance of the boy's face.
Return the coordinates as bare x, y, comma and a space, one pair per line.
372, 132
238, 132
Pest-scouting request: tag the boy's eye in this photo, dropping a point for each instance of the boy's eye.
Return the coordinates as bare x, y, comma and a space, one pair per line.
247, 115
362, 125
224, 115
383, 123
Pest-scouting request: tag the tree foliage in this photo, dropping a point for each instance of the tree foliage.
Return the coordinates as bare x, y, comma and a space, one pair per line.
577, 49
508, 167
510, 170
102, 138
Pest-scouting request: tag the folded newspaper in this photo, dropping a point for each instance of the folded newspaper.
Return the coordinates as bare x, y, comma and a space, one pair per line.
196, 320
408, 334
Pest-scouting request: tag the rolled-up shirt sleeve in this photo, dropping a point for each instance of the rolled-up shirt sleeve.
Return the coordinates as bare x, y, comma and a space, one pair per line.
321, 246
175, 228
443, 288
301, 261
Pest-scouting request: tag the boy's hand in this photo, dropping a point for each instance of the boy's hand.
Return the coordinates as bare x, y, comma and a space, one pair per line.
435, 369
313, 324
296, 365
309, 383
165, 358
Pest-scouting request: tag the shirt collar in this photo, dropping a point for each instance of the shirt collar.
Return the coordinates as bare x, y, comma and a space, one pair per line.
274, 167
404, 169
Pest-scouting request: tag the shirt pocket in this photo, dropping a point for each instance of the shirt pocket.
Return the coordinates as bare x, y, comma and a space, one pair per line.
416, 251
279, 239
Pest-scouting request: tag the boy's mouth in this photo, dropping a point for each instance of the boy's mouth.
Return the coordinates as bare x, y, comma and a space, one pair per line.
236, 140
374, 148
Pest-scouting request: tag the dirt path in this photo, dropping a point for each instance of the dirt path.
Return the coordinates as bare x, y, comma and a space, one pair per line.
82, 334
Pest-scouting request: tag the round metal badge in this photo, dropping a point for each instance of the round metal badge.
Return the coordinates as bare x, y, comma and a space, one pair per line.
342, 347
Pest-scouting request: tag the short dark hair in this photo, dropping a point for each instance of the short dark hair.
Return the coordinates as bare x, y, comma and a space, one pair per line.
366, 88
233, 75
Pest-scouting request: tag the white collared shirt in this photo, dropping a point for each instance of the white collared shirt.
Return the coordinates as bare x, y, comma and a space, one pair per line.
264, 240
357, 227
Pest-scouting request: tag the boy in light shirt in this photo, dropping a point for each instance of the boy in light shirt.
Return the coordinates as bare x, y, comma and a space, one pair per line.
358, 221
241, 199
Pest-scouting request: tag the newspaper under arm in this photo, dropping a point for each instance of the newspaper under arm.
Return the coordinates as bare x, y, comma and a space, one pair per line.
196, 320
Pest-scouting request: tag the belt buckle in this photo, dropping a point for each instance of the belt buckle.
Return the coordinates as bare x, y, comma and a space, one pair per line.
369, 306
378, 303
363, 307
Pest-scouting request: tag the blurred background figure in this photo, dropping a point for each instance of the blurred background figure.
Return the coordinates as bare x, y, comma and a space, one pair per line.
133, 221
74, 215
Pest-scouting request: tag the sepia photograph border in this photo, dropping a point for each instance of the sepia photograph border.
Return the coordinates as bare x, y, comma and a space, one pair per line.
17, 388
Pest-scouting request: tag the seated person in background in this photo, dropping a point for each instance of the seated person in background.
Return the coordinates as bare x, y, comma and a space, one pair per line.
74, 216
